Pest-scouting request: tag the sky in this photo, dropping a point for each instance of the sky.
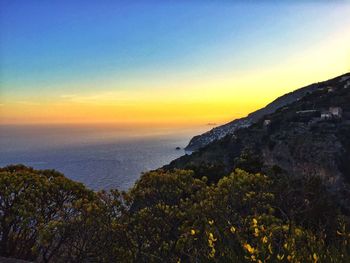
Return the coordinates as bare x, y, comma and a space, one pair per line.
163, 62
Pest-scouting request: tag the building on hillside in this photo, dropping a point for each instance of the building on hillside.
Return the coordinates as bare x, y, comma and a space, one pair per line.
267, 123
347, 84
326, 115
330, 89
337, 112
332, 113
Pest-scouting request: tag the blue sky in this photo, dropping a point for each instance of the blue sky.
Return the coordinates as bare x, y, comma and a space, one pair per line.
60, 47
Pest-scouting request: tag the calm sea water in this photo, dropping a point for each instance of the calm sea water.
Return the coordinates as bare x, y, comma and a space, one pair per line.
101, 157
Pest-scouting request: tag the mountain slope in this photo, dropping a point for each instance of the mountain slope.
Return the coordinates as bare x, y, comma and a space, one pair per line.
217, 133
294, 138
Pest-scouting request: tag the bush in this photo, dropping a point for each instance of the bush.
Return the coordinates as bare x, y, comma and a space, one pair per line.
171, 217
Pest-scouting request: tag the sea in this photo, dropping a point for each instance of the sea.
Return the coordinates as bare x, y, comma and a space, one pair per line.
100, 156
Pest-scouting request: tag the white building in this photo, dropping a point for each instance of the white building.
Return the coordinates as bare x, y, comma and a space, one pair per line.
337, 112
330, 89
333, 113
267, 122
326, 116
347, 84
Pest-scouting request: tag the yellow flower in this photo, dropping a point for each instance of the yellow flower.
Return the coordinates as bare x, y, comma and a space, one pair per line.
280, 257
249, 248
285, 245
233, 229
264, 239
256, 232
193, 232
315, 257
211, 237
255, 222
270, 249
298, 232
289, 258
211, 222
212, 253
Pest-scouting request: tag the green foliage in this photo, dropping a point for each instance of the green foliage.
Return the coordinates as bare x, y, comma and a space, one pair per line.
37, 208
171, 217
250, 162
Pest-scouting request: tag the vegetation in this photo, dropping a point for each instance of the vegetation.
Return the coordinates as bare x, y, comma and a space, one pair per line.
172, 216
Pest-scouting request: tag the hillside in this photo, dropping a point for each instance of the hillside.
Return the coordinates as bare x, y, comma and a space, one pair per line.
219, 132
296, 134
